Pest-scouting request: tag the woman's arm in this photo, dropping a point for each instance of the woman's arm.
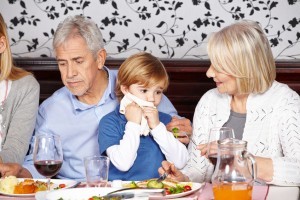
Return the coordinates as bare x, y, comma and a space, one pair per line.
286, 169
21, 125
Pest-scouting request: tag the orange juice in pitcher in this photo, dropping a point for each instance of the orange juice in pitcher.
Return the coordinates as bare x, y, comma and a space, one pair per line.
232, 179
240, 191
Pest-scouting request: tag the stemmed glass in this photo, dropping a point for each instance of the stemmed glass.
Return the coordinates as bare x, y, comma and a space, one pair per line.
215, 134
48, 155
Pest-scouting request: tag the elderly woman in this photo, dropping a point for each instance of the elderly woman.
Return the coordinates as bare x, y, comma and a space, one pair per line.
262, 111
19, 101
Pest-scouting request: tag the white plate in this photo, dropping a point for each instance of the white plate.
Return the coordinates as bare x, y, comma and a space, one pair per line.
56, 182
86, 193
195, 188
75, 193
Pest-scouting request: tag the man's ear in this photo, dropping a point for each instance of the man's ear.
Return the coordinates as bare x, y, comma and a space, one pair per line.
2, 44
124, 89
101, 57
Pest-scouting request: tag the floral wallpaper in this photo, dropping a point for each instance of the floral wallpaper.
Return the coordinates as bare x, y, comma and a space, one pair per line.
166, 28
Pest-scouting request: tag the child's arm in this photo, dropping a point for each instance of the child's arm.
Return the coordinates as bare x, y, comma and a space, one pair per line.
124, 154
175, 151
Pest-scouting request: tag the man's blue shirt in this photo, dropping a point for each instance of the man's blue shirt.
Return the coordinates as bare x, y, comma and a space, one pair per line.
77, 125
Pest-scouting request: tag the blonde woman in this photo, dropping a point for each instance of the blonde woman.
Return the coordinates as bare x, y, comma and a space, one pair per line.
247, 97
19, 100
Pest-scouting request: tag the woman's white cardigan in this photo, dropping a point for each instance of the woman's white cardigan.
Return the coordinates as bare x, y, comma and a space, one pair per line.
272, 130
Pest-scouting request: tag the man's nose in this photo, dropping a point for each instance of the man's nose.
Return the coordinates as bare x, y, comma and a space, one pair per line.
71, 71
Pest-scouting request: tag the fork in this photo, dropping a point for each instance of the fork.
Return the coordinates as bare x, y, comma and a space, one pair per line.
162, 177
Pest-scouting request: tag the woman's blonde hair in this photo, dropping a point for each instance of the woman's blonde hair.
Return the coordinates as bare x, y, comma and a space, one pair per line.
243, 51
141, 68
7, 68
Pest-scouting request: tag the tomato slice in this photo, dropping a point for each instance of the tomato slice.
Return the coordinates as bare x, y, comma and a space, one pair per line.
62, 185
167, 191
187, 188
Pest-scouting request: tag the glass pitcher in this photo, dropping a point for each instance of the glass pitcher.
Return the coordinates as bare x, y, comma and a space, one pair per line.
232, 179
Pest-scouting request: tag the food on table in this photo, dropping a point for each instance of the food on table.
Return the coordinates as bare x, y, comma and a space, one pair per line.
7, 184
171, 187
155, 184
60, 186
11, 185
132, 184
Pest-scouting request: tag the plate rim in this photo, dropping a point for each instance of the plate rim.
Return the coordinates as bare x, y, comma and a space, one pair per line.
74, 183
197, 185
54, 192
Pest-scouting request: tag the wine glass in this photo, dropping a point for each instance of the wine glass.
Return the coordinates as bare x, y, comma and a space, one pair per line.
215, 134
48, 155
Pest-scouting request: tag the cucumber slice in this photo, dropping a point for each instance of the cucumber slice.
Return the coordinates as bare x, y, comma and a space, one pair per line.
133, 185
155, 184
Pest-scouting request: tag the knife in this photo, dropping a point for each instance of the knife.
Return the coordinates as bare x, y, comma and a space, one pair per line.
127, 193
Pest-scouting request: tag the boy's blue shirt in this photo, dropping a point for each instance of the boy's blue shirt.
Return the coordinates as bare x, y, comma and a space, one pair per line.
149, 155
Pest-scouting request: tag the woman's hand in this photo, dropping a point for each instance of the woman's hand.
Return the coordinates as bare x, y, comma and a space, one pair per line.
173, 172
213, 148
265, 168
14, 169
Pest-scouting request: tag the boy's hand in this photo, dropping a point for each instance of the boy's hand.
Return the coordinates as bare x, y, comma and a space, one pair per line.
151, 114
133, 113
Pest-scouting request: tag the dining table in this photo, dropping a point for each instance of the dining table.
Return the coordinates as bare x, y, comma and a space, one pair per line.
260, 192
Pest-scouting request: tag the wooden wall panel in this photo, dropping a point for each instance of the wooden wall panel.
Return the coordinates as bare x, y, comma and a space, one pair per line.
188, 81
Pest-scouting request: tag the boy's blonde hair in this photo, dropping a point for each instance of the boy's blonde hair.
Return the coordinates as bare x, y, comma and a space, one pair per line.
7, 68
243, 51
141, 68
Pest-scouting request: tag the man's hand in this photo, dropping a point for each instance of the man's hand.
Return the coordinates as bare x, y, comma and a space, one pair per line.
173, 172
184, 127
14, 169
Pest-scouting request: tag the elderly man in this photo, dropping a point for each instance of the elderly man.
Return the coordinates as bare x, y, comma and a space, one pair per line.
74, 111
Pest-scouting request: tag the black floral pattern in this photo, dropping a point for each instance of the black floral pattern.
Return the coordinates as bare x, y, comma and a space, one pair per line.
166, 28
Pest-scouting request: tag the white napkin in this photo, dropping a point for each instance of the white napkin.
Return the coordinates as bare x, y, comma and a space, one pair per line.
129, 98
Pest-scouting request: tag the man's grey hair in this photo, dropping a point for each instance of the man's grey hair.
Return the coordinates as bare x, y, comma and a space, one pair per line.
79, 26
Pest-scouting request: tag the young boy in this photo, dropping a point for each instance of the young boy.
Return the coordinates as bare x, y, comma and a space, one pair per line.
134, 136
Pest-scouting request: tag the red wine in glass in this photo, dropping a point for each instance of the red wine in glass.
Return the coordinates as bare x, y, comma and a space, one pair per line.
213, 158
48, 168
215, 134
47, 155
